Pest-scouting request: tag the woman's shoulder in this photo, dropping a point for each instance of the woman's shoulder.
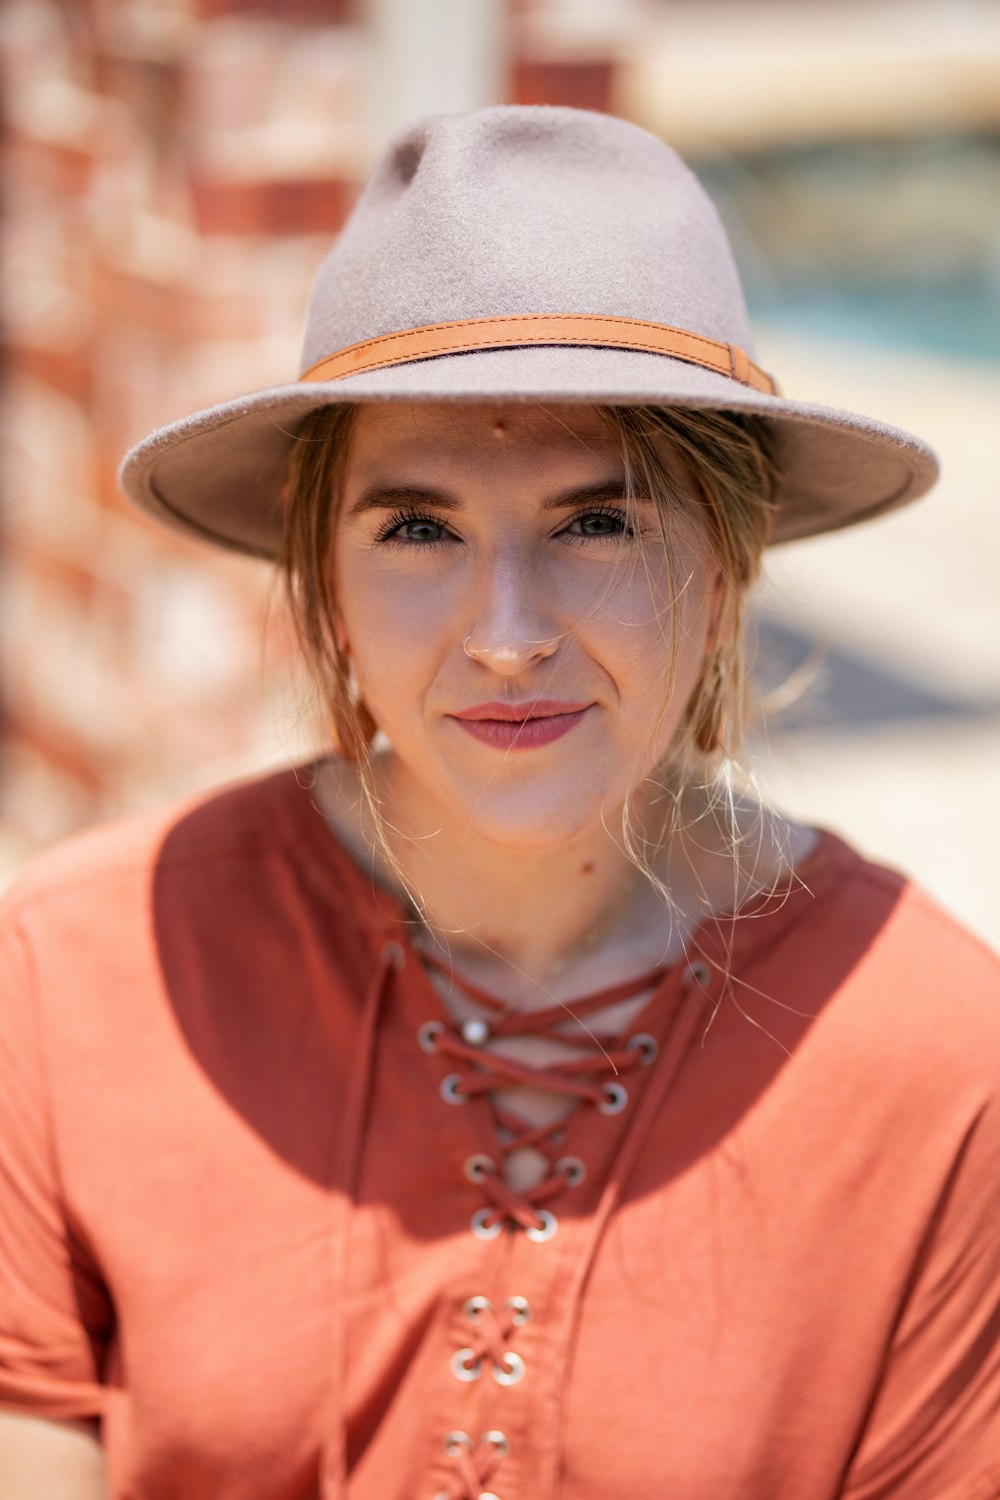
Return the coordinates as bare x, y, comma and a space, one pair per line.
902, 925
893, 972
239, 834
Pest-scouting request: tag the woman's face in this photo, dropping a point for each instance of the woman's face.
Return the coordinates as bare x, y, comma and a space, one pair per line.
514, 634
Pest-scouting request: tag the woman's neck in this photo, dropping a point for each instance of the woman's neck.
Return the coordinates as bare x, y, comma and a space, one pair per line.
540, 914
539, 918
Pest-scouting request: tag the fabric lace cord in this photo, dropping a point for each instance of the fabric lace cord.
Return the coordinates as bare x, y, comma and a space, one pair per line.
489, 1340
475, 1464
594, 1079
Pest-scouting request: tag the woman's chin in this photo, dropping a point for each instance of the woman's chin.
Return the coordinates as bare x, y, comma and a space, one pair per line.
530, 813
534, 825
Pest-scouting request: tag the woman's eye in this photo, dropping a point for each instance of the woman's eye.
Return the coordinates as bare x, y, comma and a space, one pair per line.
420, 531
404, 530
600, 524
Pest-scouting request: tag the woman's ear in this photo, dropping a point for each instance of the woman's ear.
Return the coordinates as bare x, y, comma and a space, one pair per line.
340, 635
716, 600
709, 701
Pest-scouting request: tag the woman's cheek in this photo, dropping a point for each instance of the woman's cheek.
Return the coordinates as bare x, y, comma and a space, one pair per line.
398, 642
391, 605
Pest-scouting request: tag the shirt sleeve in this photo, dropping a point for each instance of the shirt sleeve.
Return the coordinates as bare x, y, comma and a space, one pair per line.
55, 1314
934, 1428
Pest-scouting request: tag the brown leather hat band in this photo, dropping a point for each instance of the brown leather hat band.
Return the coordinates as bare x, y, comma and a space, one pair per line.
470, 334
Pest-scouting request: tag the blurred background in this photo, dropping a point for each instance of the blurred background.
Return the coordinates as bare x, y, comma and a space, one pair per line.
175, 169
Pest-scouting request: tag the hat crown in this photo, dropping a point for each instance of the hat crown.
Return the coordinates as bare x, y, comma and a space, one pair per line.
521, 210
513, 215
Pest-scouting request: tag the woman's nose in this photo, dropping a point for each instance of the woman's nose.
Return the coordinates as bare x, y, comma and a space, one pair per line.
512, 624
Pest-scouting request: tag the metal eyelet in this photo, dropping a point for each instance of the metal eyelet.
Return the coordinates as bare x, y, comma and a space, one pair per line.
572, 1169
647, 1047
697, 973
483, 1230
428, 1033
465, 1365
475, 1032
393, 954
510, 1369
615, 1099
499, 1440
546, 1229
475, 1306
520, 1310
477, 1167
450, 1091
454, 1442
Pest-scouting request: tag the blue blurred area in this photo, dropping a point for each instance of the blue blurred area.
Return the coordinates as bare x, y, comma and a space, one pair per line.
890, 242
956, 320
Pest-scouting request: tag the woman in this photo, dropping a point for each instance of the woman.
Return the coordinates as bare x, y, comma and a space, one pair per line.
504, 1106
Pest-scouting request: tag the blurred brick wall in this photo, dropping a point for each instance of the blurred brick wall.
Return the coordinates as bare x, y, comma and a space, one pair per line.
173, 172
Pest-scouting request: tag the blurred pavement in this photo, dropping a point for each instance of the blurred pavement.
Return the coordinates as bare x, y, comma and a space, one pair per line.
897, 742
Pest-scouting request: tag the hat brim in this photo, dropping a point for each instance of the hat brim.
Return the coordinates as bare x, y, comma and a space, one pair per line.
217, 474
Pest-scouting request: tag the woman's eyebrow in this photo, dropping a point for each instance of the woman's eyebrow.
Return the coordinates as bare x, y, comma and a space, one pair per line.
391, 497
589, 494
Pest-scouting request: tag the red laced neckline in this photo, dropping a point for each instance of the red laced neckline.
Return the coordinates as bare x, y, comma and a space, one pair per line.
596, 1078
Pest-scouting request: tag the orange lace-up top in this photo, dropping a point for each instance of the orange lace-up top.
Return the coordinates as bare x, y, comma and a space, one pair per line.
256, 1214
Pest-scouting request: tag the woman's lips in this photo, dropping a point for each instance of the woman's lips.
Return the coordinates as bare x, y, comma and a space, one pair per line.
528, 726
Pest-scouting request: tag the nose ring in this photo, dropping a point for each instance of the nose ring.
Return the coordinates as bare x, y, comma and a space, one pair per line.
465, 647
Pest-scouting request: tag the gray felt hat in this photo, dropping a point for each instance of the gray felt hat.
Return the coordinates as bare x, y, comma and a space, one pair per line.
530, 254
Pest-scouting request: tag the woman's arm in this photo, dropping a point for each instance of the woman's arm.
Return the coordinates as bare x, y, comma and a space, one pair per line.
55, 1313
60, 1460
934, 1428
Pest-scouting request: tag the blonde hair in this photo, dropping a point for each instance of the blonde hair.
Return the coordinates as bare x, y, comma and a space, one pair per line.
730, 477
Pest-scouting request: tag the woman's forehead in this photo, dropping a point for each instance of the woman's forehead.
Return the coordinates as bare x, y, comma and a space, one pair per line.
459, 432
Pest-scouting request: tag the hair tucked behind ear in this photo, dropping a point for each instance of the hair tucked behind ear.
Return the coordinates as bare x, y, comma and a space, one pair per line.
730, 474
312, 501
